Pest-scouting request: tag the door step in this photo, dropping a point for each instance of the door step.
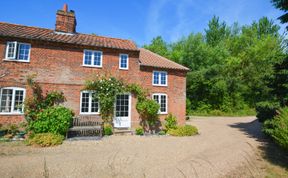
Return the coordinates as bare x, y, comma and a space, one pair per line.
123, 131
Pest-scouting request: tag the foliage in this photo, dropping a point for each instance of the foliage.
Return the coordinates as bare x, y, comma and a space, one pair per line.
171, 122
266, 110
55, 119
231, 66
159, 45
139, 131
107, 89
148, 110
277, 128
108, 129
38, 102
161, 132
45, 139
181, 131
282, 5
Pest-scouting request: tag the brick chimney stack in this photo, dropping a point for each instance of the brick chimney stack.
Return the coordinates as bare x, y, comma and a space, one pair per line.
65, 20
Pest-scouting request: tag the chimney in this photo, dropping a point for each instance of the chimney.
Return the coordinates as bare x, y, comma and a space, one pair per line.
65, 20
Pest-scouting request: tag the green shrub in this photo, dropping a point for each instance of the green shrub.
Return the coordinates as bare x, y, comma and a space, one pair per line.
139, 131
162, 132
187, 130
148, 110
277, 128
108, 129
266, 110
45, 139
171, 122
56, 119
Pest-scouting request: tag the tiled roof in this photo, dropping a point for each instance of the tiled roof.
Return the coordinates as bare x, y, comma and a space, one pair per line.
148, 58
20, 31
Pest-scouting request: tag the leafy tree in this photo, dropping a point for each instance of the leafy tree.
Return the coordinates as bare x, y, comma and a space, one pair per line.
216, 32
282, 5
159, 46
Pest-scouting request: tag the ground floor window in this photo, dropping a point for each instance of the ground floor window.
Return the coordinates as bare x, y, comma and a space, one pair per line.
12, 99
161, 99
89, 103
122, 105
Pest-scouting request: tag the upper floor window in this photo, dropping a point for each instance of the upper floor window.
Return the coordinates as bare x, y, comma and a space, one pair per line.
12, 99
161, 99
159, 78
92, 58
18, 51
89, 103
123, 61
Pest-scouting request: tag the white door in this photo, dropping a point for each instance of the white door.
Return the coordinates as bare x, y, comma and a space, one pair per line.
122, 117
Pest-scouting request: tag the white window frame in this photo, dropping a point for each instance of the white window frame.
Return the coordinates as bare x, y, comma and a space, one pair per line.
159, 78
13, 100
124, 68
90, 103
92, 60
15, 55
159, 96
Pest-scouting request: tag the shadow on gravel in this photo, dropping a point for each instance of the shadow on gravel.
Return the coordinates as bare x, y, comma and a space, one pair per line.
272, 152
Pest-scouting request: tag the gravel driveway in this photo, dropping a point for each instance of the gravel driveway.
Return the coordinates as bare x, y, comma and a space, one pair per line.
223, 145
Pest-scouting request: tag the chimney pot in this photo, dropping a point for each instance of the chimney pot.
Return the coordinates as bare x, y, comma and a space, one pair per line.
65, 7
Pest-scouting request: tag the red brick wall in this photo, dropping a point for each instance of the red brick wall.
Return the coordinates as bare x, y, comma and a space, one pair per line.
59, 67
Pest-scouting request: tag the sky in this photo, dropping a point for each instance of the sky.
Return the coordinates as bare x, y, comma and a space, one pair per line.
139, 20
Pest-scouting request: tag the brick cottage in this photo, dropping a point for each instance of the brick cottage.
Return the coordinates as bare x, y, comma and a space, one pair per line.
64, 59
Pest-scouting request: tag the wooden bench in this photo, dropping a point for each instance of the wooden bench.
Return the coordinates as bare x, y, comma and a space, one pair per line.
86, 125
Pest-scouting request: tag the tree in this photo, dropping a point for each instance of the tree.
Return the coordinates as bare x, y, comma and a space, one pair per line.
159, 46
216, 32
282, 5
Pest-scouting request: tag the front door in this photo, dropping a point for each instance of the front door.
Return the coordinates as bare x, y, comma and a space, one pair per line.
122, 117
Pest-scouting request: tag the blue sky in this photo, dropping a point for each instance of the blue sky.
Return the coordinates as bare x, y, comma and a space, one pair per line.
138, 20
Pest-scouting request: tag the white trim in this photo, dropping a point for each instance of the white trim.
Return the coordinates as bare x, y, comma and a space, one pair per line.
89, 104
159, 95
92, 59
122, 68
13, 100
159, 78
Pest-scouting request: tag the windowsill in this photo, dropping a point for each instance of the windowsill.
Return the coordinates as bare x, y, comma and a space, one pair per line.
163, 113
159, 85
91, 66
9, 114
123, 68
90, 113
16, 60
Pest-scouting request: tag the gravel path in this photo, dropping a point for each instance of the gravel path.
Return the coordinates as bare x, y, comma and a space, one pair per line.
223, 145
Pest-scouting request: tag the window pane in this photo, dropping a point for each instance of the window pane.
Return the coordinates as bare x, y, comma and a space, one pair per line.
11, 50
19, 96
97, 58
23, 51
85, 102
163, 103
156, 98
88, 58
123, 61
163, 78
155, 77
94, 104
122, 106
6, 100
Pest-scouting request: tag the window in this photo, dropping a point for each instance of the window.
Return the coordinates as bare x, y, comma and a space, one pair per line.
92, 58
122, 105
161, 99
123, 61
18, 51
11, 100
89, 104
159, 78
